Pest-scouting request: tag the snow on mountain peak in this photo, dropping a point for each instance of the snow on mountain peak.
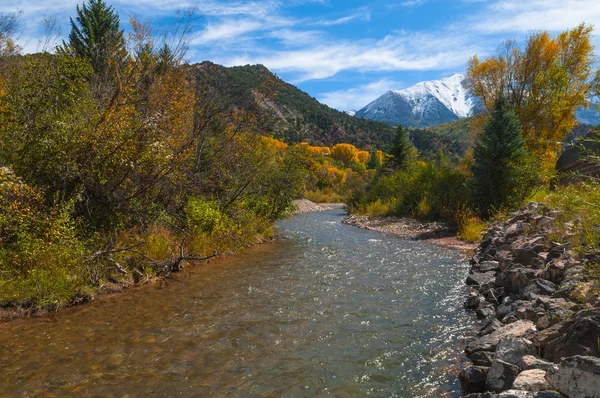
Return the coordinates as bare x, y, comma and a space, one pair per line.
450, 91
425, 103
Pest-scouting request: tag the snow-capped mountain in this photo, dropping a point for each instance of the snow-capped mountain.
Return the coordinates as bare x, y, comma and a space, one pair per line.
424, 104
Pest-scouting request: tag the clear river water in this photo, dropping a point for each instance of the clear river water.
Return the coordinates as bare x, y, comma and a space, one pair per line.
328, 310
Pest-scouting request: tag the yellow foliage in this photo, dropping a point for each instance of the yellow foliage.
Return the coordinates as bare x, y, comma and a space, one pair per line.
275, 144
363, 157
546, 81
345, 153
318, 151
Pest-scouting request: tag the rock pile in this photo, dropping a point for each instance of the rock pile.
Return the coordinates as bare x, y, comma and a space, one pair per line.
537, 341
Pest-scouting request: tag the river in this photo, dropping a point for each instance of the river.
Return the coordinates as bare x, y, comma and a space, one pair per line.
328, 310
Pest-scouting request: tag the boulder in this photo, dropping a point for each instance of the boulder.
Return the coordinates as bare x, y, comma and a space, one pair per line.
532, 380
578, 337
538, 287
481, 278
516, 279
501, 376
529, 256
529, 362
513, 349
486, 266
525, 329
490, 327
577, 376
527, 394
506, 307
485, 311
472, 379
482, 358
473, 300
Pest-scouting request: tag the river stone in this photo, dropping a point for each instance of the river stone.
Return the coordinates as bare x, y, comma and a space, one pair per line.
538, 287
481, 278
577, 376
501, 376
529, 362
577, 338
532, 380
488, 342
513, 349
472, 379
482, 358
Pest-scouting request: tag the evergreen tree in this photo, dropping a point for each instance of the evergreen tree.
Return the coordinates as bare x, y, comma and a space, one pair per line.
500, 178
95, 35
402, 149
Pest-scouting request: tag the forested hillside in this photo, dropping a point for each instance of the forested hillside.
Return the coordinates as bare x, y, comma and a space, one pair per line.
286, 111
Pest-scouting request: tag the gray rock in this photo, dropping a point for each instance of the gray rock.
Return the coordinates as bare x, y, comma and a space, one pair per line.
532, 380
480, 395
473, 300
527, 394
505, 307
538, 287
482, 358
578, 337
529, 362
490, 327
485, 311
472, 379
525, 329
501, 376
513, 349
487, 266
516, 279
577, 376
529, 256
481, 278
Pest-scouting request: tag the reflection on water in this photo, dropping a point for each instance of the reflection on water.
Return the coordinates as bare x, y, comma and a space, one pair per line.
331, 310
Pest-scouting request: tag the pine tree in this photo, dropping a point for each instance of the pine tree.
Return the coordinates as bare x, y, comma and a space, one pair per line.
95, 35
499, 176
402, 149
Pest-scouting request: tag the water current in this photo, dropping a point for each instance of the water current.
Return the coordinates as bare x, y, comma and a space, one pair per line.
328, 310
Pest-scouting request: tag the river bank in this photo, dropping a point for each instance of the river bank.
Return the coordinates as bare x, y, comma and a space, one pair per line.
11, 313
538, 297
435, 232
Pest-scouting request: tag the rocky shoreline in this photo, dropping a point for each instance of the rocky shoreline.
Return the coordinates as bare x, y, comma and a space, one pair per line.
307, 206
408, 228
541, 312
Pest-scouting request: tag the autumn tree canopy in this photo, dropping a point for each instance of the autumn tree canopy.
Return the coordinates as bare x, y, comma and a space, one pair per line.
545, 80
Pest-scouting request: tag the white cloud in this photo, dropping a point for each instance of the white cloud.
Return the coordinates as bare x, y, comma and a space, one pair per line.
226, 30
398, 52
356, 98
517, 16
412, 3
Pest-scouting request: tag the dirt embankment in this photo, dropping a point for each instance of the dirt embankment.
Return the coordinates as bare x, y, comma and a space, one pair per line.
408, 228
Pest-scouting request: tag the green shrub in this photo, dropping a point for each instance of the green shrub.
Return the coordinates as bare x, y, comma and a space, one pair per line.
205, 216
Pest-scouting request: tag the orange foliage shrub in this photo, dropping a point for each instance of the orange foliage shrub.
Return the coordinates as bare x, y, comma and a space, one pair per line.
345, 153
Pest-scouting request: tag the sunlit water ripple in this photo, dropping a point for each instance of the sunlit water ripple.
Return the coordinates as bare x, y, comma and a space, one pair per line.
330, 310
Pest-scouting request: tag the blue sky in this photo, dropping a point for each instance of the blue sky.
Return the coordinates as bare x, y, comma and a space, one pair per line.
345, 53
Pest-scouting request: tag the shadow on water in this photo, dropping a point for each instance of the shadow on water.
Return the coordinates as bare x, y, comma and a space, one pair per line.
330, 310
